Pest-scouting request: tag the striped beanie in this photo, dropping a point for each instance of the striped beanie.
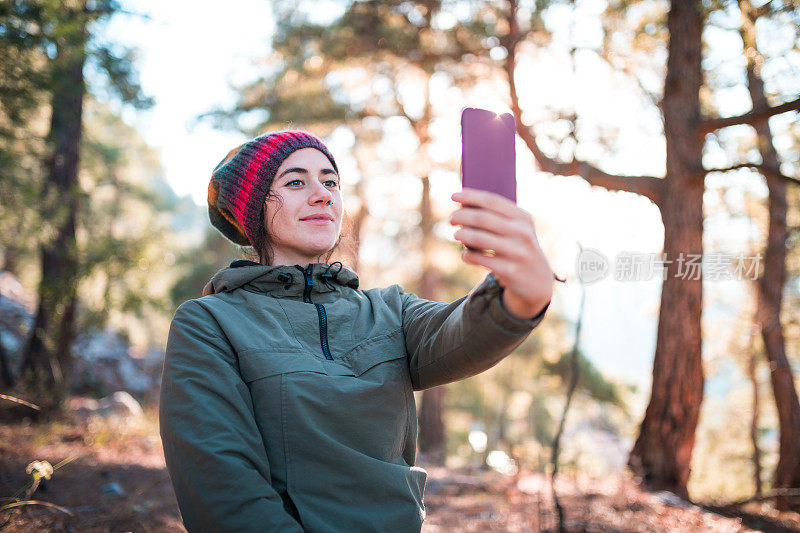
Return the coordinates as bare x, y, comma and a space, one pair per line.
241, 181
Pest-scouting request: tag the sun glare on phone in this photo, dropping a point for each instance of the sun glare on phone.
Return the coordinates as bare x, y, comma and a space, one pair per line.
499, 109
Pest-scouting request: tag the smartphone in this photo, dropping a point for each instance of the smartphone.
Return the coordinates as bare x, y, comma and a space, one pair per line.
488, 156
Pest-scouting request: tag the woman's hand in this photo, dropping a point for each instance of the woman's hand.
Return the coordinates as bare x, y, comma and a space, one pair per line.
490, 221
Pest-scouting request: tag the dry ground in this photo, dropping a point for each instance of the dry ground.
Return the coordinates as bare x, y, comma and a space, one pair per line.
128, 454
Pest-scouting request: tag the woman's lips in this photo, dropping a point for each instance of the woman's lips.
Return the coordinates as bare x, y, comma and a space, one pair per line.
317, 220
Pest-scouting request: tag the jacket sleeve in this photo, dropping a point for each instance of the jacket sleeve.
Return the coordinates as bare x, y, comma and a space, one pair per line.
212, 445
448, 342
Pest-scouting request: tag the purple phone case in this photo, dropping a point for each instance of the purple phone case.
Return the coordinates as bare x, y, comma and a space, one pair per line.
488, 157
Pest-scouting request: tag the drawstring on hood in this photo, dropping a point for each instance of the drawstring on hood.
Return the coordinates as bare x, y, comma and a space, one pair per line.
327, 276
288, 278
279, 279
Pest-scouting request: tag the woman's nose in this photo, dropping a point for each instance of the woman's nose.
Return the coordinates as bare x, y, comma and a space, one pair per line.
320, 194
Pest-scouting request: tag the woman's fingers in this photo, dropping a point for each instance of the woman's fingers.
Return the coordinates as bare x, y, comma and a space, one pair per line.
489, 201
494, 264
502, 246
490, 221
485, 220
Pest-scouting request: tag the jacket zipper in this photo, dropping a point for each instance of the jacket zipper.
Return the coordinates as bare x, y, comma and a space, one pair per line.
323, 318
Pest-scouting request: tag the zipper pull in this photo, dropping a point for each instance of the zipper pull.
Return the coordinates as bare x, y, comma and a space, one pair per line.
309, 282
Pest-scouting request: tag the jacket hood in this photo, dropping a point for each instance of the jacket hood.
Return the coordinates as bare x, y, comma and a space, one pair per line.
282, 280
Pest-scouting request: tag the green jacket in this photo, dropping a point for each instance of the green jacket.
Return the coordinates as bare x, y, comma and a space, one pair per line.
287, 403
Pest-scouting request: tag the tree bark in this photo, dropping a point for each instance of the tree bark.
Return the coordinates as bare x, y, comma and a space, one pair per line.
770, 286
663, 450
47, 352
431, 417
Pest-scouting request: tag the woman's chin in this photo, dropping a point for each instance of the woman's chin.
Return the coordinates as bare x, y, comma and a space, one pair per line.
320, 249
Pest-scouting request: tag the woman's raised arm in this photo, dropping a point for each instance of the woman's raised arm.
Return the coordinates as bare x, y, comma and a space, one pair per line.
448, 342
212, 445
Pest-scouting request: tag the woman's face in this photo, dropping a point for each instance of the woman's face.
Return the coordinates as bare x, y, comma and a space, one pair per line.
302, 226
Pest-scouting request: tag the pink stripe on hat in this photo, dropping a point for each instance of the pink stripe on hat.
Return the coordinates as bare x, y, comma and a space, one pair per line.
251, 173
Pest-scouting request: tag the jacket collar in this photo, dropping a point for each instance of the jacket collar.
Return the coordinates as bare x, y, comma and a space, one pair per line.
281, 280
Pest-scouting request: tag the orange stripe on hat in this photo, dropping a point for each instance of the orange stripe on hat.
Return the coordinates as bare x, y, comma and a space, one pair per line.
232, 220
213, 194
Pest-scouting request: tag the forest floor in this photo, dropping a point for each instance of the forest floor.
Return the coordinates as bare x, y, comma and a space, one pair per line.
117, 481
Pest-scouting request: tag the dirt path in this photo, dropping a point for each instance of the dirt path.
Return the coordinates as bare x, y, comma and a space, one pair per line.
489, 501
118, 482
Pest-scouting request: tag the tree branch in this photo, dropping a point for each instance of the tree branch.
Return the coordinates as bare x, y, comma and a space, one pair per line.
648, 186
712, 124
757, 166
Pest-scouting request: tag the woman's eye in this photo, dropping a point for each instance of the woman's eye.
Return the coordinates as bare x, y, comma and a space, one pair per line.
293, 181
333, 183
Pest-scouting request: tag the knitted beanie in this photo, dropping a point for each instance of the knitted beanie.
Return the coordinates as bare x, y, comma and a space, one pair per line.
241, 181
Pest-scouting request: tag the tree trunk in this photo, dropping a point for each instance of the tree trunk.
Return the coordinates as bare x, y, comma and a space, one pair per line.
66, 336
770, 286
38, 358
431, 428
787, 473
431, 424
48, 346
751, 374
662, 452
363, 213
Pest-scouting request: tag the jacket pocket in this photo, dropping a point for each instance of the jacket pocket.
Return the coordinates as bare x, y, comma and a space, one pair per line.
376, 350
257, 364
381, 363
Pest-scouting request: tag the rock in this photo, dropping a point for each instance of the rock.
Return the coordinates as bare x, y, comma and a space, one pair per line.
17, 307
83, 407
113, 488
119, 404
12, 289
103, 361
672, 500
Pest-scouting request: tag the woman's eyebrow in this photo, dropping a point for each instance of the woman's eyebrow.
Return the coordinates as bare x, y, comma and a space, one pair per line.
305, 171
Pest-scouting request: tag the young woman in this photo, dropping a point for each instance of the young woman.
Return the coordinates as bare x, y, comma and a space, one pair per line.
287, 394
